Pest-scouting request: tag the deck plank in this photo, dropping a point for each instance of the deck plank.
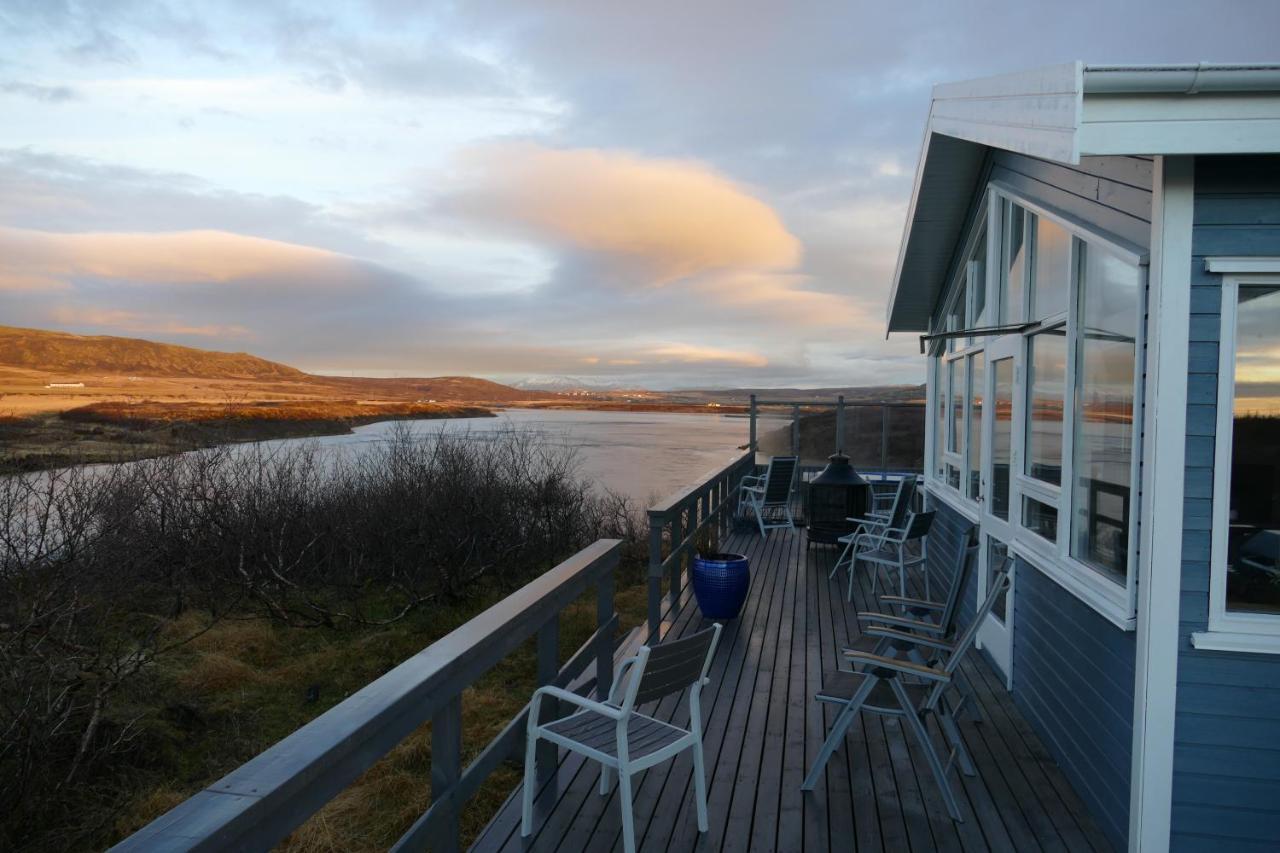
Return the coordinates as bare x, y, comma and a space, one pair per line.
763, 730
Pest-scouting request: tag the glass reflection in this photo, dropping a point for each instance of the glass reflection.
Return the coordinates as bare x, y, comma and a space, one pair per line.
1046, 380
1051, 269
1015, 262
1106, 359
1253, 543
1001, 437
977, 386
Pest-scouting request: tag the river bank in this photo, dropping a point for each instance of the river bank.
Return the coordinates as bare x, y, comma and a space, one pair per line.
124, 432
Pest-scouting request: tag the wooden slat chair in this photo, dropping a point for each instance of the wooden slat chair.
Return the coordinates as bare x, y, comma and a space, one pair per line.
770, 494
907, 690
930, 619
622, 739
875, 522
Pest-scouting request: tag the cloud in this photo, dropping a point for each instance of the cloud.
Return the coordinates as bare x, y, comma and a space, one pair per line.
662, 220
141, 324
39, 92
37, 260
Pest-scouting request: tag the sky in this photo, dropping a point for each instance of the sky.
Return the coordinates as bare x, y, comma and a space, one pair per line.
658, 194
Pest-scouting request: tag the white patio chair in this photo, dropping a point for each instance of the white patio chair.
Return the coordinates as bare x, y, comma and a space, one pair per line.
907, 690
622, 739
770, 493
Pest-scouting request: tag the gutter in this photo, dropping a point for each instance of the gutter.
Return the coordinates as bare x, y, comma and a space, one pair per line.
1181, 79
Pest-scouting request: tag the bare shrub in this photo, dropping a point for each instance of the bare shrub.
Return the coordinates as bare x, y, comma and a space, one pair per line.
102, 570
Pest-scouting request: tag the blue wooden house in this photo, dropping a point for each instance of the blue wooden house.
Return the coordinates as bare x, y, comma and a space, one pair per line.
1092, 260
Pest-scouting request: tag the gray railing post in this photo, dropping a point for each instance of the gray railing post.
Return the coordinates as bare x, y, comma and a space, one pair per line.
751, 443
446, 770
840, 424
795, 431
679, 530
656, 524
604, 644
548, 666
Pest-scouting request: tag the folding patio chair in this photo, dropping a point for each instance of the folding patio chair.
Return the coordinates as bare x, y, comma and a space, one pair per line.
907, 690
622, 739
770, 492
891, 548
875, 521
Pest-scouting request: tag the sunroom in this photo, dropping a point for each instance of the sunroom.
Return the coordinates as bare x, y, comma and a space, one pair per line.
1091, 261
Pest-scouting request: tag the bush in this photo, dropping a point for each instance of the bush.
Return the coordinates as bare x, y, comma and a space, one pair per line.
103, 570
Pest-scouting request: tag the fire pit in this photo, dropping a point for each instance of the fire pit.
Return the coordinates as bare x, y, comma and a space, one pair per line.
836, 495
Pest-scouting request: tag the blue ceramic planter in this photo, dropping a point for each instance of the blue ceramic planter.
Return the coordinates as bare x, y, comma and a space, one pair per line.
720, 583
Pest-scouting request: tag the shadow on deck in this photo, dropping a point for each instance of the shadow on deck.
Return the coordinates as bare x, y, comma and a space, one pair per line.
763, 730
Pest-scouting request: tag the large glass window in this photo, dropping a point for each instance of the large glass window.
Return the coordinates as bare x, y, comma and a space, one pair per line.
1046, 382
1253, 540
978, 285
939, 415
1106, 361
1051, 269
977, 385
1013, 271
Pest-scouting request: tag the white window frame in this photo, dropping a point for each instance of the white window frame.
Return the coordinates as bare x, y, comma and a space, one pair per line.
1243, 632
1114, 601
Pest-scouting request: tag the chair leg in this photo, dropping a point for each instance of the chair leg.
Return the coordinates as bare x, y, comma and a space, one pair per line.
848, 593
844, 719
700, 785
947, 721
902, 575
930, 752
760, 519
605, 782
628, 818
530, 785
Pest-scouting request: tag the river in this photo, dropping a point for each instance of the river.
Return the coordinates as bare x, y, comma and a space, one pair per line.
643, 455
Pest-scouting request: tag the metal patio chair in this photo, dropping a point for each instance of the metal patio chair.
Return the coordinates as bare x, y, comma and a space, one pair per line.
898, 548
876, 520
907, 690
622, 739
770, 493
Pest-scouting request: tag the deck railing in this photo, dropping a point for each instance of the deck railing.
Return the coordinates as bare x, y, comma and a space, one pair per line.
676, 523
884, 439
262, 801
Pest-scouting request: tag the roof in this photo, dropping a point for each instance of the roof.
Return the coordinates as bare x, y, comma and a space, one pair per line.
1063, 113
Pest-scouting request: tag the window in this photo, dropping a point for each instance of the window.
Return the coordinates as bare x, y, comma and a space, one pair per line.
1106, 366
1051, 269
1063, 409
1001, 437
973, 464
939, 416
1014, 263
1245, 584
1046, 383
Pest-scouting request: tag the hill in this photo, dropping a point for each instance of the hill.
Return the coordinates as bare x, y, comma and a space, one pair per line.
65, 353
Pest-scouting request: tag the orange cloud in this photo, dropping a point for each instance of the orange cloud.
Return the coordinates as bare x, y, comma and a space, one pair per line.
700, 354
40, 260
671, 219
142, 324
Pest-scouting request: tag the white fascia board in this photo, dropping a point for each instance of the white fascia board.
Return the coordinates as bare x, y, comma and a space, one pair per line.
1257, 264
1204, 123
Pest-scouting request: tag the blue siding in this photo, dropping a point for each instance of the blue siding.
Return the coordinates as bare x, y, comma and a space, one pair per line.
1226, 772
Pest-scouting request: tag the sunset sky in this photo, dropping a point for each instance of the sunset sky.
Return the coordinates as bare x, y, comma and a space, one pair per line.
661, 193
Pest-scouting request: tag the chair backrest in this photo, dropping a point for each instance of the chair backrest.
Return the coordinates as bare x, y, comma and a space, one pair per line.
918, 524
902, 502
1000, 581
779, 479
672, 666
966, 558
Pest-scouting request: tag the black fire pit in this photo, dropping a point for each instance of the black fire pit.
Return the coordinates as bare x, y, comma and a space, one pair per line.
836, 495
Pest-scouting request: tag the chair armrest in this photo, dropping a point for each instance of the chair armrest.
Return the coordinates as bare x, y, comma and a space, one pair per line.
756, 477
879, 522
899, 622
903, 601
905, 667
619, 677
759, 490
905, 637
573, 698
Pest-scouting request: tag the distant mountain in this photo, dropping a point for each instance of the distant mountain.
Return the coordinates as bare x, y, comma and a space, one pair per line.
565, 384
65, 357
65, 353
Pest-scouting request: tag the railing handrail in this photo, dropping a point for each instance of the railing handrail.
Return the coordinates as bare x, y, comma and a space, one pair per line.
265, 799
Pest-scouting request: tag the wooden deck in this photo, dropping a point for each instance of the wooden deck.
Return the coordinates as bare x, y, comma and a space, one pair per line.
763, 730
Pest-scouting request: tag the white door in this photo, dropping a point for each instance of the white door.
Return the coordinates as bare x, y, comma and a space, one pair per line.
998, 509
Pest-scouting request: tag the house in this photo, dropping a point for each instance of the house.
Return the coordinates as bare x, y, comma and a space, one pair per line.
1092, 258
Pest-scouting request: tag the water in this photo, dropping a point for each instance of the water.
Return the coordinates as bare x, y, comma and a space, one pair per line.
643, 455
